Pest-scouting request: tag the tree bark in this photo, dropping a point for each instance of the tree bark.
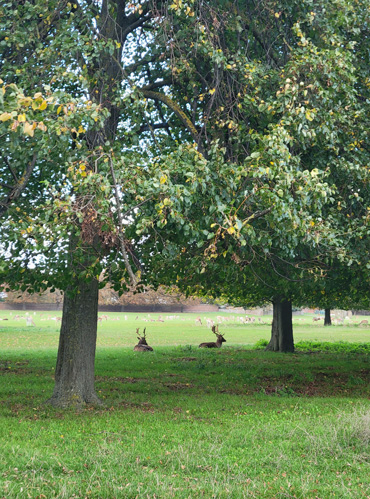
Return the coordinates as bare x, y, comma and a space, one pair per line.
74, 373
327, 321
282, 326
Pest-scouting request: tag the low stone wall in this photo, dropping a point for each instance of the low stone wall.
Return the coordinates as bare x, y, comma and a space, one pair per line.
361, 312
155, 307
30, 306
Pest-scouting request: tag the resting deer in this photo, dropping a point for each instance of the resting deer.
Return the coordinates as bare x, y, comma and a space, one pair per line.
212, 344
142, 346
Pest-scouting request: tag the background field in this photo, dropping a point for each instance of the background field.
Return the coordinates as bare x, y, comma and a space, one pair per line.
183, 422
177, 329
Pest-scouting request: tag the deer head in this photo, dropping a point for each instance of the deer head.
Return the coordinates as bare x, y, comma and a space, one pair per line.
142, 339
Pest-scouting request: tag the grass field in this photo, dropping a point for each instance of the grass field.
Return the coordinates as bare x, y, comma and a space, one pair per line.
186, 423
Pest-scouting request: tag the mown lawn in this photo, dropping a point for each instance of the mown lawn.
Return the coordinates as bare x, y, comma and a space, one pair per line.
184, 423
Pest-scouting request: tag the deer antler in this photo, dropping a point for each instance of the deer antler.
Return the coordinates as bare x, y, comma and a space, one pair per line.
137, 333
144, 332
214, 330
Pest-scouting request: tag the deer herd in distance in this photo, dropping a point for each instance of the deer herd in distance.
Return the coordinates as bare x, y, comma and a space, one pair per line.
142, 345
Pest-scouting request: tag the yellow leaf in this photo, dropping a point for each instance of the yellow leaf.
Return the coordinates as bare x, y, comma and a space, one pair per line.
42, 126
163, 179
21, 118
5, 116
212, 91
309, 116
59, 109
43, 105
28, 129
27, 101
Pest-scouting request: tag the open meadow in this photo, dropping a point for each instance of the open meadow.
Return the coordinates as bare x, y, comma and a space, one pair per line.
182, 422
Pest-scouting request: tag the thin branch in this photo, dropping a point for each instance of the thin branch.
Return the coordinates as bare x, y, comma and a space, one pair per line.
158, 84
142, 62
20, 185
135, 207
10, 168
156, 126
131, 274
133, 26
257, 215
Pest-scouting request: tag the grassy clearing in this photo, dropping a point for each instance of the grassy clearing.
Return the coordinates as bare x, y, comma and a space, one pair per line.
184, 423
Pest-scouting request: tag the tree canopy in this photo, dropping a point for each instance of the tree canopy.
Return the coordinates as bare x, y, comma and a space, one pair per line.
219, 146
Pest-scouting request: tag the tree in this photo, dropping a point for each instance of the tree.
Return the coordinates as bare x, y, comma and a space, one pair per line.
278, 97
71, 228
250, 105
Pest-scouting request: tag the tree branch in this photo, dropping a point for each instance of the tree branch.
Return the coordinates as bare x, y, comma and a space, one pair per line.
155, 126
150, 94
157, 84
20, 185
10, 168
257, 215
121, 239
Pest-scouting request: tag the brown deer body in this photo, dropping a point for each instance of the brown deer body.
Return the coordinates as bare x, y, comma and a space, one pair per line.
142, 345
214, 344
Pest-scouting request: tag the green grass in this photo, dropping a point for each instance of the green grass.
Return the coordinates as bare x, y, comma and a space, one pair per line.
185, 423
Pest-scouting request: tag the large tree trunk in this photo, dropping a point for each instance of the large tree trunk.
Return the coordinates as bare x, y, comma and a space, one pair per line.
327, 321
282, 326
74, 374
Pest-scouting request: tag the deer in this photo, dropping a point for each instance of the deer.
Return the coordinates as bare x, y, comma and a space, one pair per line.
198, 320
142, 346
212, 344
